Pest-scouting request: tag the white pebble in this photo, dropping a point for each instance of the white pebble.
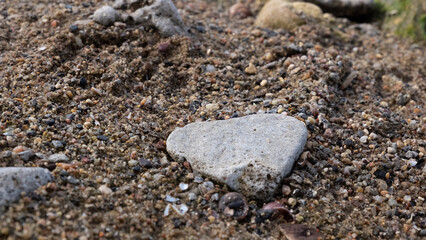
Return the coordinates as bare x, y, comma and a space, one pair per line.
133, 163
105, 190
180, 209
183, 186
171, 199
391, 150
212, 107
192, 197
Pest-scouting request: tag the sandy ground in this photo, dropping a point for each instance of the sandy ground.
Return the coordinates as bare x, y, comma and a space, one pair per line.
113, 94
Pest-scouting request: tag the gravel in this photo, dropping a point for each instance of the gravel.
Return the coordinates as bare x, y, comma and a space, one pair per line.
118, 82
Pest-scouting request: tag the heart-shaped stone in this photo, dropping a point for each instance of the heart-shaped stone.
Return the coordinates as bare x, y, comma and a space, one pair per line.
250, 154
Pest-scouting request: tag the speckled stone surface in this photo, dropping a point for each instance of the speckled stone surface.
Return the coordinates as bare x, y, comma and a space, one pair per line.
15, 180
250, 154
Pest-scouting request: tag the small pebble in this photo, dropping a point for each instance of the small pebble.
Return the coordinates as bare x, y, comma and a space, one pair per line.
391, 150
392, 202
251, 69
183, 186
105, 190
102, 138
145, 163
59, 157
26, 155
132, 163
106, 15
57, 144
192, 196
212, 107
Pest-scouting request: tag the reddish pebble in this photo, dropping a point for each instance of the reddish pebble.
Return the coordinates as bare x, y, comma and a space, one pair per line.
239, 10
161, 145
162, 47
18, 149
187, 166
85, 160
54, 23
328, 133
275, 210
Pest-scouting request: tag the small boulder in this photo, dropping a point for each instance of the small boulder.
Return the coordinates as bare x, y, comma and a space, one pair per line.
286, 15
250, 154
15, 180
106, 15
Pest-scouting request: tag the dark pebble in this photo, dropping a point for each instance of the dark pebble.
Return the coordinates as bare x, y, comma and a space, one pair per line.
27, 155
72, 180
136, 169
83, 82
200, 29
73, 28
31, 133
70, 116
50, 122
63, 173
380, 174
348, 142
145, 163
102, 138
275, 210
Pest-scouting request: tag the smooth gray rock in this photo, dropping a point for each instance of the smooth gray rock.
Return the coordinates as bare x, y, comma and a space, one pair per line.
106, 15
250, 154
57, 144
163, 15
58, 157
14, 180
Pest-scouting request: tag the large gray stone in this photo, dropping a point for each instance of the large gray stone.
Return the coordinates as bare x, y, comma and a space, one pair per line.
250, 154
15, 180
163, 15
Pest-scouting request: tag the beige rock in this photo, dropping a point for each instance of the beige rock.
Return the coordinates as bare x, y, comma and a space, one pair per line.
278, 14
286, 15
309, 9
251, 69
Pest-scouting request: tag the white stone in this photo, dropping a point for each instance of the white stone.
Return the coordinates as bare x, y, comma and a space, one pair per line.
15, 180
106, 15
104, 189
250, 154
